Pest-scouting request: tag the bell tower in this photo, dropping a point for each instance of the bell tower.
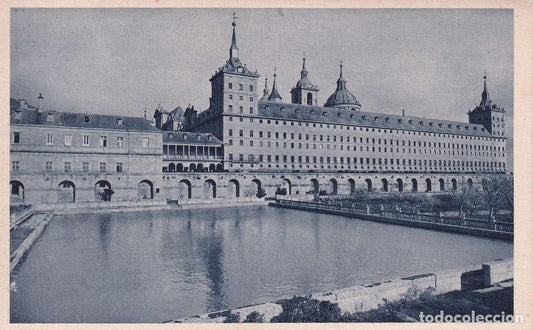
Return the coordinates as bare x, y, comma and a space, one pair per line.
488, 114
305, 92
234, 86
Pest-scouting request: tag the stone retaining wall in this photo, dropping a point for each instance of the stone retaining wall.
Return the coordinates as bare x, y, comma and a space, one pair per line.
364, 298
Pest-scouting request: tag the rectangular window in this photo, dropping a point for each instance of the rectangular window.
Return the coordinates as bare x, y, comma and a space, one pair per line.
230, 132
86, 140
230, 109
251, 110
230, 85
241, 157
241, 109
15, 166
48, 166
251, 88
68, 166
119, 168
230, 157
49, 138
241, 87
16, 137
68, 139
103, 141
102, 167
85, 167
146, 142
120, 141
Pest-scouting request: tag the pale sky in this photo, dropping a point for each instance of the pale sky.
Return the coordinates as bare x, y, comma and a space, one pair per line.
121, 61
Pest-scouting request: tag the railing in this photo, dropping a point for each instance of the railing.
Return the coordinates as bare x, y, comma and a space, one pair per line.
398, 214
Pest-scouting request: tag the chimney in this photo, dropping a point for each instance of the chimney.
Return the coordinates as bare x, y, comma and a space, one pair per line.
403, 112
39, 102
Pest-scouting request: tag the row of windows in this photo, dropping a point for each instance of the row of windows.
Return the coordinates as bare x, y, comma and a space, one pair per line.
86, 140
241, 87
67, 167
241, 98
363, 161
328, 138
315, 146
368, 129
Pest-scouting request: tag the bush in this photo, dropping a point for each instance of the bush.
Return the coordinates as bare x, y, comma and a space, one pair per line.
261, 193
254, 317
306, 309
232, 318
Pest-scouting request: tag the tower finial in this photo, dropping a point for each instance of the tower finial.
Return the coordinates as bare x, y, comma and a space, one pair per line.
234, 50
341, 70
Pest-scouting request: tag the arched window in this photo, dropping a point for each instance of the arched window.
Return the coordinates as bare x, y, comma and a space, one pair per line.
171, 167
309, 98
441, 184
179, 167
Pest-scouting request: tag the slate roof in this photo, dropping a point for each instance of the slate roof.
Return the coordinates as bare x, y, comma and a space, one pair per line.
191, 138
79, 120
367, 119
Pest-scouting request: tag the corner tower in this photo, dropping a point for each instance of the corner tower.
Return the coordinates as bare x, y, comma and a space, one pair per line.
234, 86
488, 114
305, 92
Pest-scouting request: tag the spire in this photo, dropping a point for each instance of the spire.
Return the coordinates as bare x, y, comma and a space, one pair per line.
266, 91
485, 98
341, 82
303, 73
274, 96
234, 50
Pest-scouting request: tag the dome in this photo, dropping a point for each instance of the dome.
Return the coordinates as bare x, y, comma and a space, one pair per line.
342, 97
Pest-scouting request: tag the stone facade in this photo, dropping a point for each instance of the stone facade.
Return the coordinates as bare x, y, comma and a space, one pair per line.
247, 147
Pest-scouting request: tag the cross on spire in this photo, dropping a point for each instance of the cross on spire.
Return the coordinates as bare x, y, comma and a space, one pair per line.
234, 19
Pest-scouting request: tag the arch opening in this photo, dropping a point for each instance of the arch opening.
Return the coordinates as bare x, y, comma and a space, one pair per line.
368, 185
400, 184
442, 186
184, 189
233, 188
384, 185
145, 189
428, 185
66, 192
16, 189
210, 189
414, 185
333, 187
103, 191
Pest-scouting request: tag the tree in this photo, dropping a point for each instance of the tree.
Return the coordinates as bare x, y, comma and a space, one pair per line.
462, 198
495, 190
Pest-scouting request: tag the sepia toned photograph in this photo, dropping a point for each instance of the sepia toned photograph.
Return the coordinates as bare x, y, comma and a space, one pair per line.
261, 165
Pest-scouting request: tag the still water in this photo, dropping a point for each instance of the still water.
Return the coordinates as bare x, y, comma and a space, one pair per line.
152, 267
